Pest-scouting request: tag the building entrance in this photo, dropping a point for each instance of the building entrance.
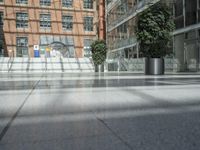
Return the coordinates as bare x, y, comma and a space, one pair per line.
58, 49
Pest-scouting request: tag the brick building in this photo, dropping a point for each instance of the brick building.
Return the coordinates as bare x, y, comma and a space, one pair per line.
65, 25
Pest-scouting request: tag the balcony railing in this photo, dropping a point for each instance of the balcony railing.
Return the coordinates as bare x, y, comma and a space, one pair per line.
112, 4
123, 43
141, 6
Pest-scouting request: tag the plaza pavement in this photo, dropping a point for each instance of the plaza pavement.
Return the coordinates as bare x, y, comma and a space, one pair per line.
111, 111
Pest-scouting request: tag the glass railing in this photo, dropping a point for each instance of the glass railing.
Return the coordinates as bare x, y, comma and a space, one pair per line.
112, 4
122, 43
135, 9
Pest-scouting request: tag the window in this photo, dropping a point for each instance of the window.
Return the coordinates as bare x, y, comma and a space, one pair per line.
1, 18
45, 2
22, 1
178, 6
22, 46
191, 12
87, 48
88, 4
67, 3
67, 22
21, 20
1, 1
88, 23
45, 20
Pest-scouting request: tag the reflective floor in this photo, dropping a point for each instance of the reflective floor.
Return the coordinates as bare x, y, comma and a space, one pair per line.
109, 111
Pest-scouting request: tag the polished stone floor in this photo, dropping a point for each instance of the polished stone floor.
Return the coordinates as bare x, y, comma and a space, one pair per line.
110, 111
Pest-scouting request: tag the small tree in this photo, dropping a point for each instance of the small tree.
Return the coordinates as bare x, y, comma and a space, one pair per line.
98, 49
153, 31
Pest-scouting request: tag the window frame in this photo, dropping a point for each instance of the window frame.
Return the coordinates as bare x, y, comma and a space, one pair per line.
43, 21
88, 24
88, 4
1, 18
45, 2
20, 47
22, 22
22, 2
67, 24
67, 3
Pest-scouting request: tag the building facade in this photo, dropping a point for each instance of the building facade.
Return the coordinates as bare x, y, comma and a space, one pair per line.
37, 28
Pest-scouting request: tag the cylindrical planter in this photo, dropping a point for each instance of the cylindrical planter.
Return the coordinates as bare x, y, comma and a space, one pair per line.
154, 66
99, 68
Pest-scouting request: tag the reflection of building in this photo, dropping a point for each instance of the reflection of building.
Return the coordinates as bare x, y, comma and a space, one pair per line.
187, 34
121, 20
121, 16
42, 22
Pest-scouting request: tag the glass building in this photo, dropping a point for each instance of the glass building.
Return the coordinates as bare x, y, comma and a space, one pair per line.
124, 54
123, 51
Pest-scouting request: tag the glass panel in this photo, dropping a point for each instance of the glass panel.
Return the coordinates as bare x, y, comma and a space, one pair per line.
191, 12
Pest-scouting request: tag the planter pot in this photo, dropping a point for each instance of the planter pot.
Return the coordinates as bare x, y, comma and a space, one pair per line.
154, 66
99, 68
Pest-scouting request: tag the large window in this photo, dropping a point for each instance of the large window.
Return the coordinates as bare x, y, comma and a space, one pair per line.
191, 12
45, 2
1, 18
45, 20
178, 8
88, 23
21, 20
67, 22
22, 46
67, 3
22, 1
88, 4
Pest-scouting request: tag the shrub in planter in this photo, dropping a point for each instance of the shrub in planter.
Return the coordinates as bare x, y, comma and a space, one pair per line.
153, 31
99, 50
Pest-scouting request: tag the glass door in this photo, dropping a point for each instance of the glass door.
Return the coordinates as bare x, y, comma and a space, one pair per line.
191, 56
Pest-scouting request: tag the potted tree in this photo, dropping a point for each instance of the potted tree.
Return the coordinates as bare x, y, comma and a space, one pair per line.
153, 31
99, 49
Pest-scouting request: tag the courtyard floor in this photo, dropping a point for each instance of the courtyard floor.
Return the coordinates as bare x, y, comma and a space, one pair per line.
110, 111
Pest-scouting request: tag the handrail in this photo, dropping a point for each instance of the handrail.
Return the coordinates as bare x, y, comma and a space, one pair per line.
10, 61
61, 63
45, 63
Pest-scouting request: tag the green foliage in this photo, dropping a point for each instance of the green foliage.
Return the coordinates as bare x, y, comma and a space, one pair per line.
98, 51
153, 31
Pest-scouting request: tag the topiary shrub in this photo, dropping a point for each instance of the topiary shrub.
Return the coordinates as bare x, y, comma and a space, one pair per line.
99, 50
153, 31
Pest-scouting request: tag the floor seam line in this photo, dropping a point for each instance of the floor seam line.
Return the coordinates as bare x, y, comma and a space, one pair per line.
114, 133
5, 129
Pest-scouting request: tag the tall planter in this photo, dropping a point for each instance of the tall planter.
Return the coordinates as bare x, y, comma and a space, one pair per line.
154, 66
